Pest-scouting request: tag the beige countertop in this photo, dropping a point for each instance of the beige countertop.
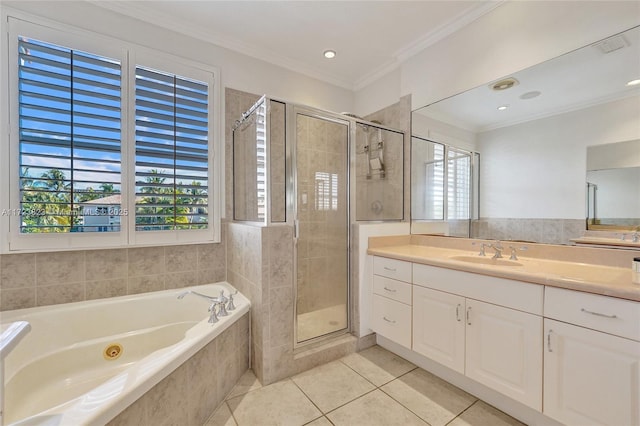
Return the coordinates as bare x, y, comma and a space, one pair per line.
612, 281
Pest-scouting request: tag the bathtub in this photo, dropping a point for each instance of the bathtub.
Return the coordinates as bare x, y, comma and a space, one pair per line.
85, 362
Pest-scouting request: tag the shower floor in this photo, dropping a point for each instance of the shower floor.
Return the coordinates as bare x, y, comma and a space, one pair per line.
323, 321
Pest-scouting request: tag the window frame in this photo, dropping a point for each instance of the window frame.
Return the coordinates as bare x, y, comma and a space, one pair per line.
130, 55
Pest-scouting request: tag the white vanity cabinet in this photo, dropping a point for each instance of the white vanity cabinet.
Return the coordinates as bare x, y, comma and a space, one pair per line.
591, 376
439, 327
487, 328
391, 310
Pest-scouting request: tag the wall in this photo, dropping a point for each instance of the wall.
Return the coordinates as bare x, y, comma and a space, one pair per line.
538, 169
512, 37
38, 279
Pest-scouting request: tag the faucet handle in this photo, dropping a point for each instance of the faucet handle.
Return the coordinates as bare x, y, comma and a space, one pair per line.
482, 247
223, 298
213, 317
230, 305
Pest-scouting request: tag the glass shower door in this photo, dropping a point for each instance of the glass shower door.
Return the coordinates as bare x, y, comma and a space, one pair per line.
321, 183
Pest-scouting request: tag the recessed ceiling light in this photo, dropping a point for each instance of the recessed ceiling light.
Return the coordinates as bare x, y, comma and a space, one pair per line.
503, 107
633, 82
329, 54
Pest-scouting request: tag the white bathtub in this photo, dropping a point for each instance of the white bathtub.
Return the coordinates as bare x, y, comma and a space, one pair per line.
59, 375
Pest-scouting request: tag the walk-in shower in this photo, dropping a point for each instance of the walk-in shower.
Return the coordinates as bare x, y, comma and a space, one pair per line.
303, 167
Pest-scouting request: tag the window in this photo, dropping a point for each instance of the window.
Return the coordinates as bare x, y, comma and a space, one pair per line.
172, 153
113, 143
69, 135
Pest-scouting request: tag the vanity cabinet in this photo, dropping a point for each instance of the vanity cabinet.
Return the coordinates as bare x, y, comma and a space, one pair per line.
495, 345
591, 375
439, 327
391, 310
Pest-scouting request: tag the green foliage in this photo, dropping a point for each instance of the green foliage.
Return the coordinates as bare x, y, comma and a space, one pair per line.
47, 203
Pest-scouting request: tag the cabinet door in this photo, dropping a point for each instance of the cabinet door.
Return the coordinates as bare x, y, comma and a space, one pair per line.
438, 327
504, 351
392, 320
590, 377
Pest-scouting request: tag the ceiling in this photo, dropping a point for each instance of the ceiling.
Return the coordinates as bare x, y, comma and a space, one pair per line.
576, 80
371, 38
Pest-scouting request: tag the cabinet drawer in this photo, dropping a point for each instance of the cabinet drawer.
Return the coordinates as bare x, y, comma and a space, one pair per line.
608, 314
392, 268
393, 289
517, 295
392, 320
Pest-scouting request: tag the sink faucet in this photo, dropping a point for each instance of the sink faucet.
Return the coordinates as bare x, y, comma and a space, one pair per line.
497, 247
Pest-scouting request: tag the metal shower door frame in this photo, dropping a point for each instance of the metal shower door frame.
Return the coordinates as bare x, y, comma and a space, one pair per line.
293, 110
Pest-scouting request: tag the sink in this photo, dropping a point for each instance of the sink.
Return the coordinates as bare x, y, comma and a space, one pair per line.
486, 260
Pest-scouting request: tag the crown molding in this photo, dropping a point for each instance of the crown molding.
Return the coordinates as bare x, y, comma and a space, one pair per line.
460, 21
137, 10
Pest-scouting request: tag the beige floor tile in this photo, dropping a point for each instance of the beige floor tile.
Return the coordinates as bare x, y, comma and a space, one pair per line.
322, 421
378, 365
281, 403
332, 385
374, 409
482, 414
221, 417
431, 398
247, 383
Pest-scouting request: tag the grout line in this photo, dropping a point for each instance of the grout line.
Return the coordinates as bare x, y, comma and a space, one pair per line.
307, 396
405, 407
349, 402
230, 411
463, 411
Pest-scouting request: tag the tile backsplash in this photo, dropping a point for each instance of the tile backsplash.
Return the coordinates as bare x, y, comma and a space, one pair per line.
38, 279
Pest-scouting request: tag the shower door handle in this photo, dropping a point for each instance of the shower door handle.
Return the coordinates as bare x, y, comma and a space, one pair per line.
296, 230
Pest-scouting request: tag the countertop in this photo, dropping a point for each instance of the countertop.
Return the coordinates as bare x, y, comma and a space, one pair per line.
597, 279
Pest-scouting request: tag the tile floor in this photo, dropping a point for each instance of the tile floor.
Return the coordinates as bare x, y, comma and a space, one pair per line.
372, 387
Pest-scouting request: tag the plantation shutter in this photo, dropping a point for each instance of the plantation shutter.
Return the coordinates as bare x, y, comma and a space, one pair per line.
172, 151
459, 185
69, 106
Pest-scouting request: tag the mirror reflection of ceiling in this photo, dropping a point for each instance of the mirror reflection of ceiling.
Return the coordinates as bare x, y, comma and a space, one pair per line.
576, 80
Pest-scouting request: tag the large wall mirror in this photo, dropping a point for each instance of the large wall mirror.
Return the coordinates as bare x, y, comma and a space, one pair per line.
532, 130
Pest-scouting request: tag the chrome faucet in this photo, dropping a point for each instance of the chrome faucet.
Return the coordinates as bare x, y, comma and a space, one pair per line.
195, 293
635, 237
214, 302
497, 246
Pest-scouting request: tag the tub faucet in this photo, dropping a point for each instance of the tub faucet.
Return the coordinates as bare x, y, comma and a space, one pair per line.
213, 317
195, 293
635, 237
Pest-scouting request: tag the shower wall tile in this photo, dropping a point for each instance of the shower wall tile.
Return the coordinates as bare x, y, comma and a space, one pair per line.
72, 276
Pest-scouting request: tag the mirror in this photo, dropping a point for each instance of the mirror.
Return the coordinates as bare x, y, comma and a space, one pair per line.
531, 130
613, 186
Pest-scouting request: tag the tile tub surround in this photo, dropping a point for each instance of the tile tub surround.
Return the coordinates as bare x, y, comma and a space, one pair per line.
373, 387
190, 394
39, 279
594, 270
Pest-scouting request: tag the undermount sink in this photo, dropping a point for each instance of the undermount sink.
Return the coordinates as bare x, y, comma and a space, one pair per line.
486, 260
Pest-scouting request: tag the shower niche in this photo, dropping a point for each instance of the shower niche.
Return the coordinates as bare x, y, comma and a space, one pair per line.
318, 172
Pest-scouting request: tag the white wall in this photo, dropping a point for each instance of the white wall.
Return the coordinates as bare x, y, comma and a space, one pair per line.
538, 169
237, 71
514, 36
